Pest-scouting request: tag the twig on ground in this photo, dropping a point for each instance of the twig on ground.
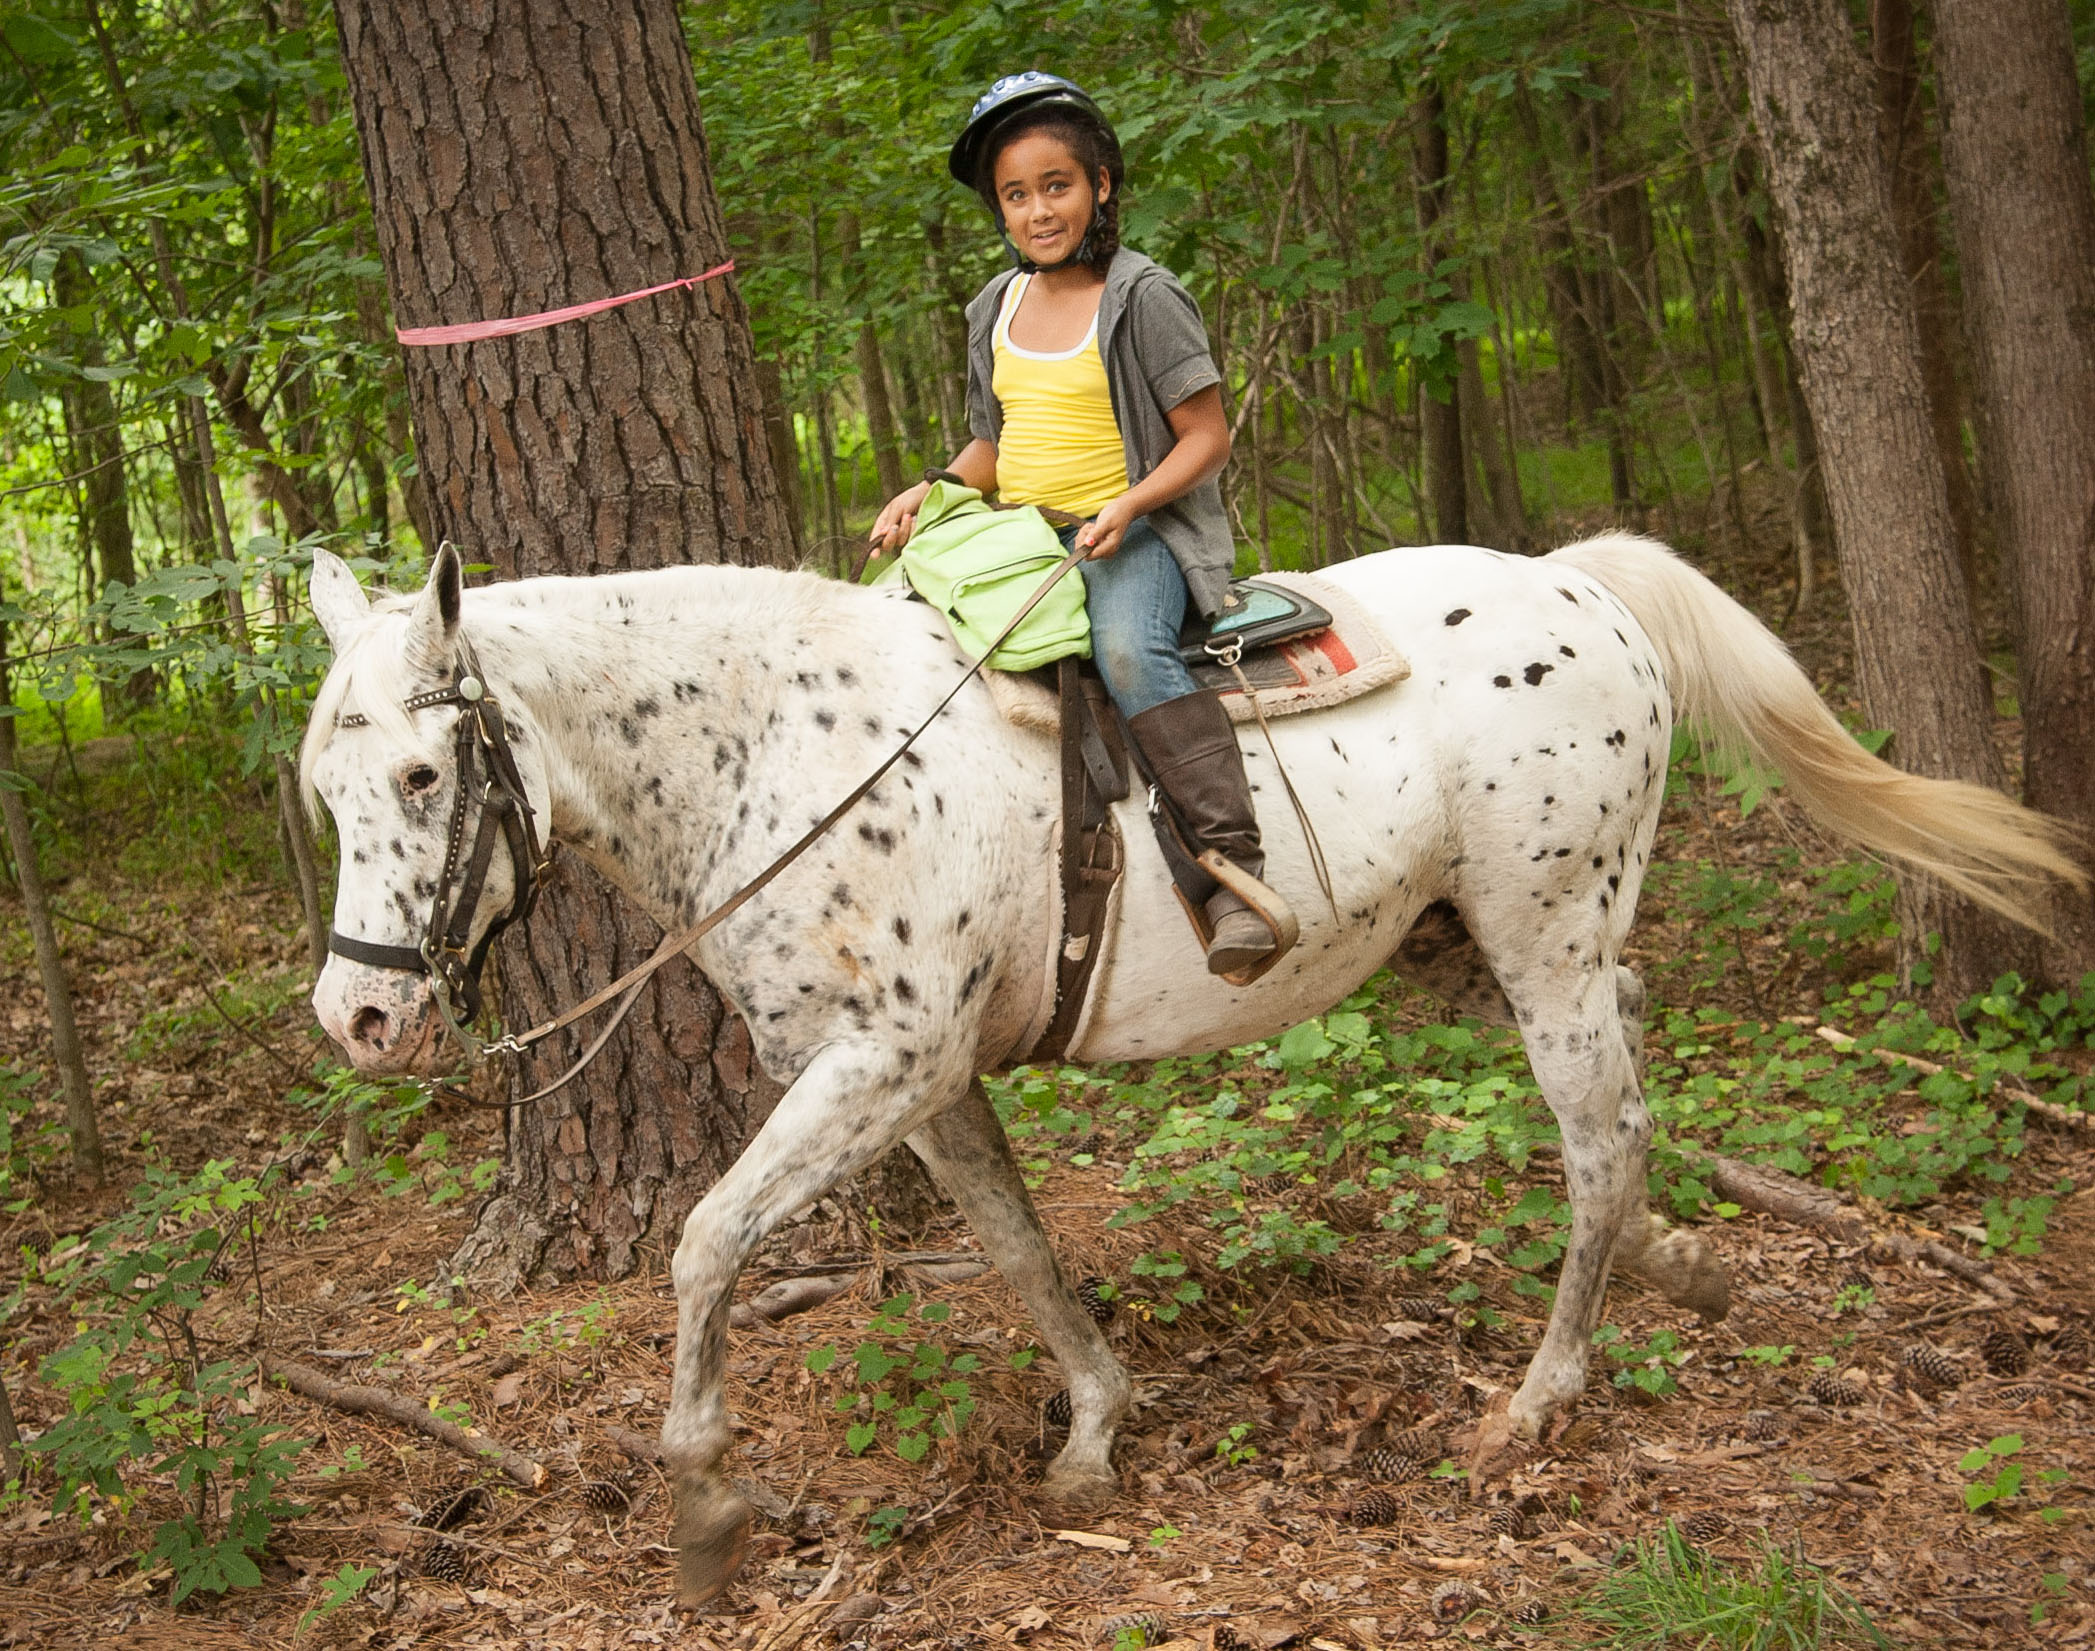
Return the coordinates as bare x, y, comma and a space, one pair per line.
397, 1407
1771, 1192
2065, 1117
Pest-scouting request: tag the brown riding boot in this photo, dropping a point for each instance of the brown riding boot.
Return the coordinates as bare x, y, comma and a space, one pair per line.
1193, 756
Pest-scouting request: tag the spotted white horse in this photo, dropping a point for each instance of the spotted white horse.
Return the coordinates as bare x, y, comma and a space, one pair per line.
678, 729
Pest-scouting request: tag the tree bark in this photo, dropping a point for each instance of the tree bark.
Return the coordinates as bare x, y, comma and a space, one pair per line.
2016, 155
521, 155
1902, 134
1916, 648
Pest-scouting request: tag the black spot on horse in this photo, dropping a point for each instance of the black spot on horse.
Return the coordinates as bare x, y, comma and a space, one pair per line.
720, 758
1456, 617
902, 925
872, 725
1573, 600
879, 836
1566, 652
841, 894
825, 720
904, 991
1536, 672
645, 708
1618, 738
1502, 682
846, 675
961, 922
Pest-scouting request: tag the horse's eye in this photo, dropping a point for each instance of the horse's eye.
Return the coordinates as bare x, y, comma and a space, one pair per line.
419, 778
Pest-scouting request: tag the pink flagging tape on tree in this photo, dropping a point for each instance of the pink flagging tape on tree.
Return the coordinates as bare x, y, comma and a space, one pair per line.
468, 332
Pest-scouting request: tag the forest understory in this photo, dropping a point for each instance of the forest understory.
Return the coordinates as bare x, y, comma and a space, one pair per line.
1252, 1513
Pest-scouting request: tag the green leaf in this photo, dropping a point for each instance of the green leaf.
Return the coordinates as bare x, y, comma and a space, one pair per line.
858, 1436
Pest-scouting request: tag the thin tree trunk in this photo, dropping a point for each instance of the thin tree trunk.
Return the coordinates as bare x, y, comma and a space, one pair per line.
1916, 647
1902, 133
1440, 407
2016, 155
635, 439
81, 1131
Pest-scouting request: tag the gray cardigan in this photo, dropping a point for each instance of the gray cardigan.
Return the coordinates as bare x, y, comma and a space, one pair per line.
1155, 348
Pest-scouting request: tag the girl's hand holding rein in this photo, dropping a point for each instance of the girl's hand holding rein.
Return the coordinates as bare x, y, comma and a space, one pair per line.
898, 518
1103, 533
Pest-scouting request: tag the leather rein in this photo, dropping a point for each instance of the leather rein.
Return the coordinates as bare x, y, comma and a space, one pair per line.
481, 738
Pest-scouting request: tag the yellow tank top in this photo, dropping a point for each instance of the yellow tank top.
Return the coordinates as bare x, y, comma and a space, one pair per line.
1060, 444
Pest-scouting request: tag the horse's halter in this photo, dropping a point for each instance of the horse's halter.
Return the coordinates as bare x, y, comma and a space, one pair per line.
487, 765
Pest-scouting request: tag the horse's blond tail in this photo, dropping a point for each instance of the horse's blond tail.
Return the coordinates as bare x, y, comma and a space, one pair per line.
1732, 677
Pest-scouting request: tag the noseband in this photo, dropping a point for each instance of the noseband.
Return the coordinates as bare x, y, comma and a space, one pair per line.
486, 765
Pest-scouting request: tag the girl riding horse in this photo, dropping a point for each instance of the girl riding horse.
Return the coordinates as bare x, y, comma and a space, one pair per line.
1091, 390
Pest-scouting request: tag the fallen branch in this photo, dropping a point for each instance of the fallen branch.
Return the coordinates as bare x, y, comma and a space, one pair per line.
2064, 1116
397, 1407
1771, 1192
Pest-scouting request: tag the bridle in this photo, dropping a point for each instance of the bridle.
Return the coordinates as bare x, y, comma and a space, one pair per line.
486, 766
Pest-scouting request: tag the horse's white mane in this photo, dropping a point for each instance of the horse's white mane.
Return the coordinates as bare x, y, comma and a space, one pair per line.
370, 678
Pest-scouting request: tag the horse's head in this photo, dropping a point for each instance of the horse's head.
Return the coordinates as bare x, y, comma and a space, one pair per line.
434, 792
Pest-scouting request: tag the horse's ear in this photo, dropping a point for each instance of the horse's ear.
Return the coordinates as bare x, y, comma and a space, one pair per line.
339, 602
433, 626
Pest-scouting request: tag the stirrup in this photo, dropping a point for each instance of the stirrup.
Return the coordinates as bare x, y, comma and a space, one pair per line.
1262, 902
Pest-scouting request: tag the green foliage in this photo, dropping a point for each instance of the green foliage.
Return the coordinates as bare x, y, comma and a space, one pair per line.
146, 1401
1234, 1447
912, 1392
2000, 1475
1649, 1367
1671, 1594
26, 1145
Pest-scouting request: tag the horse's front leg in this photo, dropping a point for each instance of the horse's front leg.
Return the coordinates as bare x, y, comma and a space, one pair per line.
964, 1146
848, 1106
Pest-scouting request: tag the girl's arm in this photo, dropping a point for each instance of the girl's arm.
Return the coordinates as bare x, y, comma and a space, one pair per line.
1199, 454
975, 464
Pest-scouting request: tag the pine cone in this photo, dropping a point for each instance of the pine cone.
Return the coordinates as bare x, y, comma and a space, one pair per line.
1422, 1444
220, 1271
1704, 1526
445, 1562
1142, 1627
1531, 1613
1507, 1520
1930, 1368
2072, 1346
1763, 1424
2005, 1352
1828, 1389
1055, 1412
1454, 1599
1421, 1309
606, 1496
1375, 1507
1392, 1467
1101, 1307
1226, 1638
449, 1512
2020, 1393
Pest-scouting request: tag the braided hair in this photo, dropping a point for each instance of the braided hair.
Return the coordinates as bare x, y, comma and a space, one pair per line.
1096, 149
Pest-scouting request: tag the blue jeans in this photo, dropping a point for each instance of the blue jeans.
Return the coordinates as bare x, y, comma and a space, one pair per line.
1137, 600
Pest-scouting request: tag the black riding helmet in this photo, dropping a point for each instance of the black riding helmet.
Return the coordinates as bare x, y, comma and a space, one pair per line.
1011, 98
1010, 95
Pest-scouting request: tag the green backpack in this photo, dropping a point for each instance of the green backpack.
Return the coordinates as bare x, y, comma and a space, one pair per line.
978, 566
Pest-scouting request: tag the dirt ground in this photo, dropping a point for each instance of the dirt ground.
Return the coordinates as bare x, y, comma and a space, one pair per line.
1264, 1542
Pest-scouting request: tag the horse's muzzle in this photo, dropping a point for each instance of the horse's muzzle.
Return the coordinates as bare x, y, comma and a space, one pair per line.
385, 1020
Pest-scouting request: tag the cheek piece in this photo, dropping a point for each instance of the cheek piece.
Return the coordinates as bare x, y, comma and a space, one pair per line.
488, 775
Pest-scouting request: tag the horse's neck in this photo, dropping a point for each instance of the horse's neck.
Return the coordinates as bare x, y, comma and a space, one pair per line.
651, 695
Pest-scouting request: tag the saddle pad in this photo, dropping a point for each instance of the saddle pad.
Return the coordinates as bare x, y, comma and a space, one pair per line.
1308, 673
1311, 672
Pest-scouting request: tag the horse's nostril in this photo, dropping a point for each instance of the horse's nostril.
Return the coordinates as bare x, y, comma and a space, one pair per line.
368, 1025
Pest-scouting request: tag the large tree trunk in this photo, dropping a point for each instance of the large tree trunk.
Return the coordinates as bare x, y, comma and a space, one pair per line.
521, 155
2015, 151
1916, 649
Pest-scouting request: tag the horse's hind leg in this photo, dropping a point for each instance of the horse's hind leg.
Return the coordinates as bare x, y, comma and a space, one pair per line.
1572, 1022
965, 1148
849, 1106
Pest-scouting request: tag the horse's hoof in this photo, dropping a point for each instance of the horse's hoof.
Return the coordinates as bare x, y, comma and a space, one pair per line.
1069, 1495
712, 1534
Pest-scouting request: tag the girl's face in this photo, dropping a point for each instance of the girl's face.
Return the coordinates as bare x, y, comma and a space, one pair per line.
1045, 198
